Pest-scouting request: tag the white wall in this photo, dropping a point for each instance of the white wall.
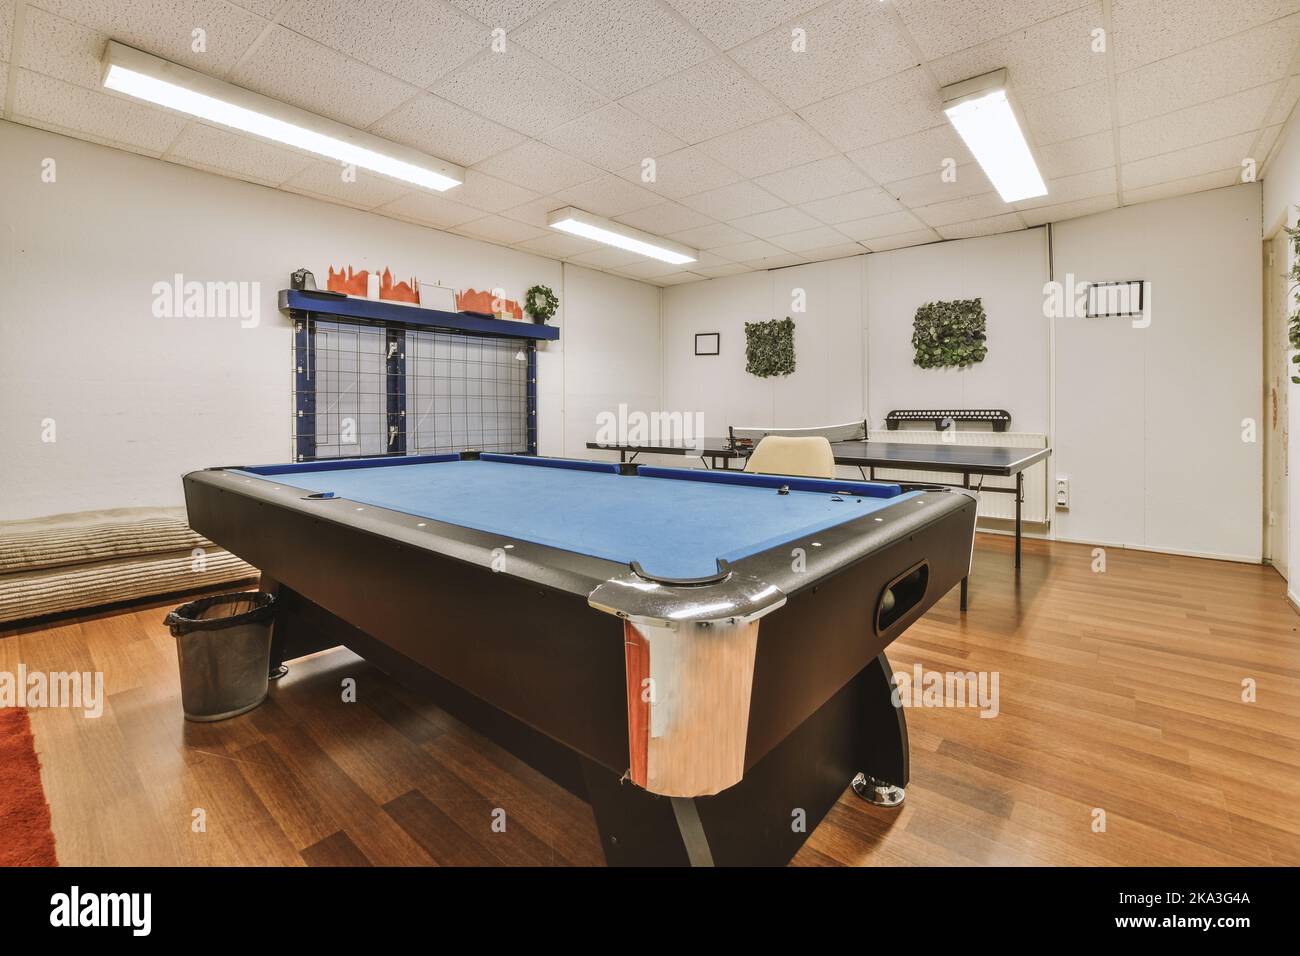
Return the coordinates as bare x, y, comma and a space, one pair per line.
1149, 421
1147, 424
853, 345
1007, 273
827, 384
611, 352
139, 400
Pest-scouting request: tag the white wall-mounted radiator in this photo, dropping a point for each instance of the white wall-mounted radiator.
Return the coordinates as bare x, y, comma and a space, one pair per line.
991, 506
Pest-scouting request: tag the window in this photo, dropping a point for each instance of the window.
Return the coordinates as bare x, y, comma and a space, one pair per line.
364, 389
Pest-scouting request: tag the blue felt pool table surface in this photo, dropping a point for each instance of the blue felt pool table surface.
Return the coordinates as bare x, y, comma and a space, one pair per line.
675, 526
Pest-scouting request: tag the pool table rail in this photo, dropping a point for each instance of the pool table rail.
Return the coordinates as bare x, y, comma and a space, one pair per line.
743, 589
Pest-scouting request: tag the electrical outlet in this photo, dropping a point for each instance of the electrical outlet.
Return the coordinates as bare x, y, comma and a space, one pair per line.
1063, 494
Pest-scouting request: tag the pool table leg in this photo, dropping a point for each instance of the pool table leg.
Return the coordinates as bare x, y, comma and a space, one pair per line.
882, 778
299, 628
278, 668
691, 829
764, 819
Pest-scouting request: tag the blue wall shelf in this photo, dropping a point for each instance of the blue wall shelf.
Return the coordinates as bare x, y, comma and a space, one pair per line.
369, 310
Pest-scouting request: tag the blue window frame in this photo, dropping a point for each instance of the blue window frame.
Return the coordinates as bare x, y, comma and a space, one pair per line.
364, 387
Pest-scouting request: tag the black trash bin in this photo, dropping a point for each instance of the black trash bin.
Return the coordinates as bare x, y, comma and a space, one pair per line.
223, 645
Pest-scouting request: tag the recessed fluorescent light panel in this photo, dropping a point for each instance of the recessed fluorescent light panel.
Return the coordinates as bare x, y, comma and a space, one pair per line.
168, 84
584, 224
982, 111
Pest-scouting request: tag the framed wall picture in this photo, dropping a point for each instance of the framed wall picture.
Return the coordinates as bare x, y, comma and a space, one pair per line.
1108, 300
707, 343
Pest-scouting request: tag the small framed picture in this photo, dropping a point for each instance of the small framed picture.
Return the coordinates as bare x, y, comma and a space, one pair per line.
706, 343
434, 295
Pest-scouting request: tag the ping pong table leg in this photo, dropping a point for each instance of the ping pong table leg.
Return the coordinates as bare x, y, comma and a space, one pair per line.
1020, 497
964, 583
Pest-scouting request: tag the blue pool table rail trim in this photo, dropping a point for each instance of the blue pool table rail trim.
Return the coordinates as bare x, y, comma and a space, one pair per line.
343, 464
863, 489
570, 464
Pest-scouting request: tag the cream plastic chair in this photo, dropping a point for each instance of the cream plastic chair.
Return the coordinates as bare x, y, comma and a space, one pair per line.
804, 457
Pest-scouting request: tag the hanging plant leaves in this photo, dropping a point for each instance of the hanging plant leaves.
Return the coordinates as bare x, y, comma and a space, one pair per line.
769, 347
1293, 322
540, 303
949, 334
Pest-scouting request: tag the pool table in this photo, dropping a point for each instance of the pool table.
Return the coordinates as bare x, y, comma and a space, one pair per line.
698, 654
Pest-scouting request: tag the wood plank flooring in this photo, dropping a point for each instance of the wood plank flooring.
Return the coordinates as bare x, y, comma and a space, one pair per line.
1119, 692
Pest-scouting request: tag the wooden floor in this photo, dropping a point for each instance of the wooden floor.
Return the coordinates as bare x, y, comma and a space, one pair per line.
1118, 690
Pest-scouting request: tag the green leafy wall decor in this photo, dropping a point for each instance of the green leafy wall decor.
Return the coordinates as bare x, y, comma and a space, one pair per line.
1293, 321
949, 334
769, 347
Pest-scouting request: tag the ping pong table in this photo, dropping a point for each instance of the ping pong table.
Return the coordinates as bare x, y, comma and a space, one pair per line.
969, 461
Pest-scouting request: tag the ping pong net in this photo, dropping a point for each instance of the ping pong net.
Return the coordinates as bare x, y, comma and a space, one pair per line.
745, 438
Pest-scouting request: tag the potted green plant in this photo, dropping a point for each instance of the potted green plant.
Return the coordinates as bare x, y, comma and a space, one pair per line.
540, 303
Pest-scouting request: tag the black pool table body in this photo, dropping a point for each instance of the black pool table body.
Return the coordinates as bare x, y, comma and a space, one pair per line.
769, 687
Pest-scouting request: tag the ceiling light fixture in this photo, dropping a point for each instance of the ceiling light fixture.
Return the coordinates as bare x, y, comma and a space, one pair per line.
155, 80
984, 116
584, 224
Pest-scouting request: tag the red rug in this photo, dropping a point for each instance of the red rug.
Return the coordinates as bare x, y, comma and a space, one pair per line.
25, 835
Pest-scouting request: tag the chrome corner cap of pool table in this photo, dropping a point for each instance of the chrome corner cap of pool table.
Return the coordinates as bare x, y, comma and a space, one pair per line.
688, 702
735, 598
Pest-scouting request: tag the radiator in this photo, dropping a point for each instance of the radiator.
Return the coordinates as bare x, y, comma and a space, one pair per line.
990, 506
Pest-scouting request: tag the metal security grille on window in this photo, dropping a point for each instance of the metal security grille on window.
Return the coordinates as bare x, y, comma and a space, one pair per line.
458, 392
351, 392
464, 391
